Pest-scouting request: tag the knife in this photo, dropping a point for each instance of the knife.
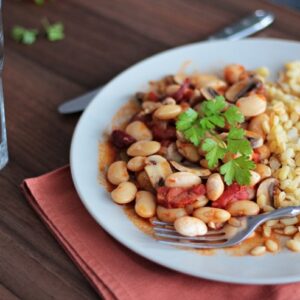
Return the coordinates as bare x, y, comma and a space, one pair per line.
247, 26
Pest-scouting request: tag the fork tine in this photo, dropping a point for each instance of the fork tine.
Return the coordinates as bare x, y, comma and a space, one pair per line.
169, 227
195, 245
188, 238
170, 230
156, 222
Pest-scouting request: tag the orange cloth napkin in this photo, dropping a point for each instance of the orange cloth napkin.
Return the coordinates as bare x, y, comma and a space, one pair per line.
115, 271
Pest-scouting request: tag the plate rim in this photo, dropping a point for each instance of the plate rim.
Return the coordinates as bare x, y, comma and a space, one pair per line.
215, 277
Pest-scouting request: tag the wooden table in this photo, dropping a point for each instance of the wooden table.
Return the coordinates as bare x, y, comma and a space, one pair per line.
102, 39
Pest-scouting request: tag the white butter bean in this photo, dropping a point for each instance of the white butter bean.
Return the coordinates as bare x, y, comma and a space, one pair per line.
243, 208
143, 148
259, 250
139, 131
190, 226
289, 221
293, 245
169, 214
263, 170
145, 204
167, 112
136, 163
252, 105
232, 72
212, 214
117, 172
200, 202
172, 89
290, 230
124, 192
271, 245
254, 178
182, 179
214, 186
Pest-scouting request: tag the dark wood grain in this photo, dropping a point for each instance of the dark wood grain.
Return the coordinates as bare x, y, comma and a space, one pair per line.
102, 38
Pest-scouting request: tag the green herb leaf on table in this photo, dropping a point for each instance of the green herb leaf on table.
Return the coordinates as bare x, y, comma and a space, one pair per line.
215, 151
238, 170
39, 2
24, 35
236, 142
54, 32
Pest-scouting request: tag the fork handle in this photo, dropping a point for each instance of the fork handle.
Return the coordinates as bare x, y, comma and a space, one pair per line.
285, 212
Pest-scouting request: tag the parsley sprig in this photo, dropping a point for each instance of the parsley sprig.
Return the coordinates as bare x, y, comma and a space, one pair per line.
54, 32
238, 169
39, 2
24, 35
195, 125
200, 127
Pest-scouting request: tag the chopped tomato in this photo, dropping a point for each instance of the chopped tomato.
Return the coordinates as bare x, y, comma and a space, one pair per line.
179, 95
231, 194
179, 197
161, 134
121, 139
152, 97
255, 156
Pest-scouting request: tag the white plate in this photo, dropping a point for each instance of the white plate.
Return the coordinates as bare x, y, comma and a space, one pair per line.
283, 267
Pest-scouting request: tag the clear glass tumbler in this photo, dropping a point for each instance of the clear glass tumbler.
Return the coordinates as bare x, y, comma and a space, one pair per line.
3, 138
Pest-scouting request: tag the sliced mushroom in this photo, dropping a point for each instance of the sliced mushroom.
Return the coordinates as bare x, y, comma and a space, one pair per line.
191, 169
254, 138
205, 80
266, 189
241, 88
157, 169
188, 150
217, 84
209, 93
172, 153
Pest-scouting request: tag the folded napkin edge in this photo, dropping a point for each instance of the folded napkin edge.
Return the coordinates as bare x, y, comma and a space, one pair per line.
87, 272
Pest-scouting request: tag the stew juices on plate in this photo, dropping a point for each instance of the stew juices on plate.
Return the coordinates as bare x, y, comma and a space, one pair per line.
204, 150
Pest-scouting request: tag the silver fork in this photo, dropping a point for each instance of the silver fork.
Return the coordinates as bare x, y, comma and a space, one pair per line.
227, 236
3, 140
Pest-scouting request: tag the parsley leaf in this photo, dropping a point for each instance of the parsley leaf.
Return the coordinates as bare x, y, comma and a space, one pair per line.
214, 106
195, 127
186, 119
194, 134
237, 169
236, 133
24, 35
214, 150
236, 143
54, 32
233, 116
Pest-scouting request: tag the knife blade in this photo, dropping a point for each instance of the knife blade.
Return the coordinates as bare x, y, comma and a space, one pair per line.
247, 26
3, 137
